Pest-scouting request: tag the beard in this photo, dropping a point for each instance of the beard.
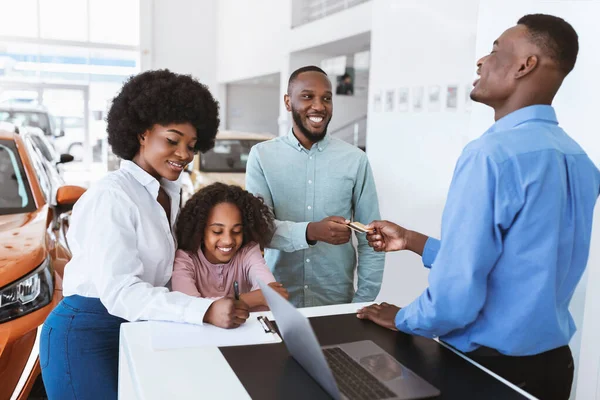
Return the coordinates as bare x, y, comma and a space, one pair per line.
313, 137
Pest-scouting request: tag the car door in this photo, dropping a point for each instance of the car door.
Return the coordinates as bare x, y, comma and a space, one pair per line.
58, 223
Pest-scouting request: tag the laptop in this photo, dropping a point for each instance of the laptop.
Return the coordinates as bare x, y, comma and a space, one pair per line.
357, 370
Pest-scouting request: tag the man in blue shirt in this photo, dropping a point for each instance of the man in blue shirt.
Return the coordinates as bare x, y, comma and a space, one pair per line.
516, 226
315, 184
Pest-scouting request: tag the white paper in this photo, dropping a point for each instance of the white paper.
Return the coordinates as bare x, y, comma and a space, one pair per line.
172, 335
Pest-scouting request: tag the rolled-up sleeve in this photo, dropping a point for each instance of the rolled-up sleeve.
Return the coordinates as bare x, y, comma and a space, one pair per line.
256, 267
460, 263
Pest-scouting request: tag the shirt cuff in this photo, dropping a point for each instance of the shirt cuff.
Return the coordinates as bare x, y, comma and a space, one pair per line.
432, 246
400, 320
195, 311
299, 236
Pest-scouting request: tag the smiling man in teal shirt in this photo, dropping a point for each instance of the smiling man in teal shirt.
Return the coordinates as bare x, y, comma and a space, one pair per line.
517, 223
314, 185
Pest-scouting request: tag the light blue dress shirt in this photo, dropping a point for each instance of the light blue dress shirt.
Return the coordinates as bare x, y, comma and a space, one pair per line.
515, 240
333, 178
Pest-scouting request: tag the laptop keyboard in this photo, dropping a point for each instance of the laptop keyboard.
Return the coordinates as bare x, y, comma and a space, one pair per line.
352, 379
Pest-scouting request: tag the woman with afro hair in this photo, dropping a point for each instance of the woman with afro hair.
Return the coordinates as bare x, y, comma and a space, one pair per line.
122, 241
220, 232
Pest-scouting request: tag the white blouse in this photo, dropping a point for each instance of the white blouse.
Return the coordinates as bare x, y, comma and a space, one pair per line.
123, 249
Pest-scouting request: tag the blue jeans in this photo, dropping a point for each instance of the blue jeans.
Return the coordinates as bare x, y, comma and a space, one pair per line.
79, 350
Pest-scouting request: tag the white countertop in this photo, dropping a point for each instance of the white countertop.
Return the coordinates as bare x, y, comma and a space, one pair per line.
191, 373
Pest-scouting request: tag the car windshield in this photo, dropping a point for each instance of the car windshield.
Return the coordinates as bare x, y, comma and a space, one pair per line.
15, 196
27, 118
228, 155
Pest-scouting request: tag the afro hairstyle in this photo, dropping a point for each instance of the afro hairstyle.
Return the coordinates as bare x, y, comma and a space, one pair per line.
160, 97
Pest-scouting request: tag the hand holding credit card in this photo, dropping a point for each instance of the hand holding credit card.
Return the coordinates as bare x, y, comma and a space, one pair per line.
358, 227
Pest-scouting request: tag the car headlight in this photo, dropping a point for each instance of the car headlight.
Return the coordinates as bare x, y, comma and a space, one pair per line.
28, 294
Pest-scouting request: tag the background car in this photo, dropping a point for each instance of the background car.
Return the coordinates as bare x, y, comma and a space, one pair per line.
226, 162
30, 115
66, 132
34, 214
46, 148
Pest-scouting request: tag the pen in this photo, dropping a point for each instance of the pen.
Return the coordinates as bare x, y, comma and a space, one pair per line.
236, 290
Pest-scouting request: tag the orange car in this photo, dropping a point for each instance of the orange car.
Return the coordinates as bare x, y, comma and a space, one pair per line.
34, 214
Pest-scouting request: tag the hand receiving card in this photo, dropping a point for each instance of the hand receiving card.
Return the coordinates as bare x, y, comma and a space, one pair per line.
358, 227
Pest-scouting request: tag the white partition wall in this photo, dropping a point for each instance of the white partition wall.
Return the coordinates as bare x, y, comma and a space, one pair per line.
417, 47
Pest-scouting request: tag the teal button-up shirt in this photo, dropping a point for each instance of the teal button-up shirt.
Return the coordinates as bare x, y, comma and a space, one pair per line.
333, 178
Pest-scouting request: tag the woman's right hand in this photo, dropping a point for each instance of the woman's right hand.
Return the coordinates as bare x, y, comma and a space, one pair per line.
227, 313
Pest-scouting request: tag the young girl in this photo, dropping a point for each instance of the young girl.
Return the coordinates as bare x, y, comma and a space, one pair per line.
220, 233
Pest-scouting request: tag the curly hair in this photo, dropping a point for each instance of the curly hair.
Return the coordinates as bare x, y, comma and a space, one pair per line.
257, 218
160, 97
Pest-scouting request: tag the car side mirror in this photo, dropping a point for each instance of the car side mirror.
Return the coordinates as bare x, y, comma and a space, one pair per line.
65, 158
61, 133
67, 195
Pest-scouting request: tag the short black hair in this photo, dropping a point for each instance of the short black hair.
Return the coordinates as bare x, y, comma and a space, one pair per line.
257, 218
160, 97
308, 68
555, 37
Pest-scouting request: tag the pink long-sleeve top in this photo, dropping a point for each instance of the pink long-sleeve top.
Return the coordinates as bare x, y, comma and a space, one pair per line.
194, 275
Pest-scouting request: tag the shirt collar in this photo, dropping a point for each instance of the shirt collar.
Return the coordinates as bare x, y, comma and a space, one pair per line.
319, 146
522, 115
149, 182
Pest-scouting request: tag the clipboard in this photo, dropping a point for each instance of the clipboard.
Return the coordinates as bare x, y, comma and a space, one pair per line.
268, 325
173, 335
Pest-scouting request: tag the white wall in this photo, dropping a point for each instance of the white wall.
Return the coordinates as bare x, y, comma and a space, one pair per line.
252, 37
346, 109
179, 35
416, 43
253, 108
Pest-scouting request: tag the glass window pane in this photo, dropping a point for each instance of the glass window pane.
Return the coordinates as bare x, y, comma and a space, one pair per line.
63, 19
18, 61
22, 20
15, 196
108, 26
227, 156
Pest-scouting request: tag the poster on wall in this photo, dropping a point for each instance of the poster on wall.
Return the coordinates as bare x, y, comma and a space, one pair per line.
434, 100
468, 101
418, 93
403, 99
377, 101
452, 97
389, 100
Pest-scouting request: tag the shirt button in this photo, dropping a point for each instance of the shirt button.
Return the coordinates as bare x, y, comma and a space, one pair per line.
308, 260
305, 286
309, 207
320, 149
310, 158
220, 287
309, 181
